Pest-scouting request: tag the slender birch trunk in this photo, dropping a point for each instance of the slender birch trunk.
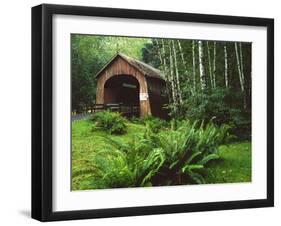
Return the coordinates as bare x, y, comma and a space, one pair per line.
182, 57
214, 65
161, 54
210, 64
164, 58
172, 76
177, 72
193, 66
166, 70
225, 66
241, 63
241, 76
161, 58
239, 67
201, 66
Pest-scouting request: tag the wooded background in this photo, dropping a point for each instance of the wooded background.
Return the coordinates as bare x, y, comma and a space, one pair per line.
206, 80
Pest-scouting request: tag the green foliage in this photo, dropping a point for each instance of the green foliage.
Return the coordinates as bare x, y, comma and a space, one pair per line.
126, 165
89, 53
234, 166
188, 148
241, 124
153, 123
102, 160
221, 106
85, 62
111, 122
113, 152
150, 54
112, 170
220, 102
171, 156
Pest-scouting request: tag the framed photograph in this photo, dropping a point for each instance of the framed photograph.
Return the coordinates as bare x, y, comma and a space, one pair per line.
146, 112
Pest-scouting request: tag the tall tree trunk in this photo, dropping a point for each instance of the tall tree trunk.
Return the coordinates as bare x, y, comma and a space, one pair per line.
214, 65
239, 58
241, 63
185, 65
182, 58
177, 72
172, 76
239, 67
162, 57
201, 66
160, 54
210, 64
193, 66
225, 66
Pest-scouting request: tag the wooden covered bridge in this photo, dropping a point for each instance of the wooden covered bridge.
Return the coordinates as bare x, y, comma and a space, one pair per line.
131, 87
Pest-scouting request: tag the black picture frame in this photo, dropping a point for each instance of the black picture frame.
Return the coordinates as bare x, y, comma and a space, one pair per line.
42, 107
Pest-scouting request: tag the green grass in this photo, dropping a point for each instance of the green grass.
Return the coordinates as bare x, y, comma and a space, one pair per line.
85, 143
234, 165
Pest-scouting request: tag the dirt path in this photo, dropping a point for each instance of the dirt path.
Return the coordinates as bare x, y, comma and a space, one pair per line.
80, 116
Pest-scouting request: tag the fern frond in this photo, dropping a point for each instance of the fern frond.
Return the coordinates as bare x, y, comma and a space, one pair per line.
208, 158
188, 168
198, 178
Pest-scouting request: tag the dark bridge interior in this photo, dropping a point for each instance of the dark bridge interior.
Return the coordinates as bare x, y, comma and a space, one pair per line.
122, 89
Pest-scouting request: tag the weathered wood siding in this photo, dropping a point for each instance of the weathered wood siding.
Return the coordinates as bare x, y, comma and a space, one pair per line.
120, 67
156, 98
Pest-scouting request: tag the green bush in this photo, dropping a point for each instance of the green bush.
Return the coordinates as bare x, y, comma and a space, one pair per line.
121, 165
188, 147
111, 122
241, 125
153, 123
222, 106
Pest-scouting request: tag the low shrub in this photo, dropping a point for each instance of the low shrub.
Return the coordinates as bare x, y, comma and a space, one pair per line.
111, 122
122, 165
153, 123
188, 147
241, 125
222, 106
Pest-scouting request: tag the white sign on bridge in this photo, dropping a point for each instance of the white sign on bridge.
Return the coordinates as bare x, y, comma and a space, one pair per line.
143, 96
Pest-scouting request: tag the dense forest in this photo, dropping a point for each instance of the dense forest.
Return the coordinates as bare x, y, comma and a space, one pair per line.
205, 79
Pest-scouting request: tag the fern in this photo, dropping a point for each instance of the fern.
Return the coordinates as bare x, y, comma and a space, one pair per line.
173, 155
111, 122
189, 146
151, 165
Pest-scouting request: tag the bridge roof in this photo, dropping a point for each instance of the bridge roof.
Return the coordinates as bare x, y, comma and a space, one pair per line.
144, 68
